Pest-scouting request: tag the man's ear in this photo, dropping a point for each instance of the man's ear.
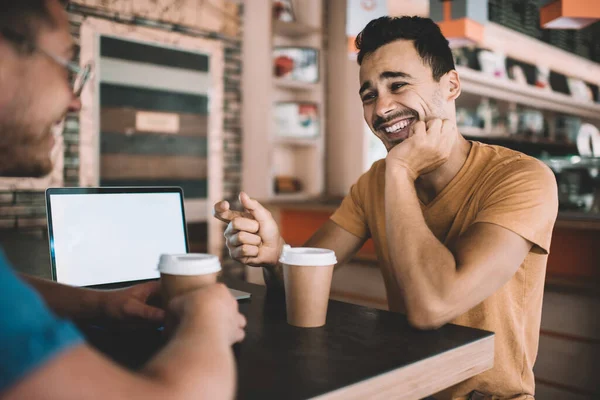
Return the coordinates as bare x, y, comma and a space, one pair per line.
451, 85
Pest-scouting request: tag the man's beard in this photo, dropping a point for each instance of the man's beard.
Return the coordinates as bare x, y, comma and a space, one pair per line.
23, 154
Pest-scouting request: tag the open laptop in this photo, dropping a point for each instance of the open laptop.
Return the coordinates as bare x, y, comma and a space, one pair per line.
113, 237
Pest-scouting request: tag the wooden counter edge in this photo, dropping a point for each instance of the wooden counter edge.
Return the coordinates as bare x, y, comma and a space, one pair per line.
425, 377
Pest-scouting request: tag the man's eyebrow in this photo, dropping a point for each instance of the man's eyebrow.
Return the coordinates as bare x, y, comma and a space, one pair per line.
394, 74
364, 87
385, 75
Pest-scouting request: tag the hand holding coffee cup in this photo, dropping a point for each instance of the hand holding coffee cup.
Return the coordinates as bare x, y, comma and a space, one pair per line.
307, 274
183, 273
252, 237
209, 311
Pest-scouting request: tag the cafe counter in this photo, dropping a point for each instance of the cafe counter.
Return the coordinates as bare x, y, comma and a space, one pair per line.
574, 254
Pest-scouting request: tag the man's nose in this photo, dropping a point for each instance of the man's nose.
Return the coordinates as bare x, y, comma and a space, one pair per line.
384, 106
75, 104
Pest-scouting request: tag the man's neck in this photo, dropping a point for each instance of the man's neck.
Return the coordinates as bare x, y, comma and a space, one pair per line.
430, 185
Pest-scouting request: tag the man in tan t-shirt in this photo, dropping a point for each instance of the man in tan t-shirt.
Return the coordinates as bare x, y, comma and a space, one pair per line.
462, 229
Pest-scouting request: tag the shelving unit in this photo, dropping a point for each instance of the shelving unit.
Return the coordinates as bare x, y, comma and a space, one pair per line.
573, 162
295, 29
291, 85
506, 93
478, 83
523, 142
297, 142
265, 155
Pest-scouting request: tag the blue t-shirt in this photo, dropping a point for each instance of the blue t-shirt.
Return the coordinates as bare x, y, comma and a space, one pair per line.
30, 335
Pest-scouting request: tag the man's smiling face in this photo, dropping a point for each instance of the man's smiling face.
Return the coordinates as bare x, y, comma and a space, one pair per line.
398, 89
36, 95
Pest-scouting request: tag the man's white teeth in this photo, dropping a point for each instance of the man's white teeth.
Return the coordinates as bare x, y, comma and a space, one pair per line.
396, 127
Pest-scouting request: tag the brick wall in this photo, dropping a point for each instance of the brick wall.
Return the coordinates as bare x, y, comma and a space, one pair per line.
232, 125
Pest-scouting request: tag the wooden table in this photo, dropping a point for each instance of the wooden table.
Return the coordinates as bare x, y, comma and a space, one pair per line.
361, 353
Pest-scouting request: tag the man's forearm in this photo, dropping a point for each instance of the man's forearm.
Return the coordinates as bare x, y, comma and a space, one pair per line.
423, 267
67, 301
194, 369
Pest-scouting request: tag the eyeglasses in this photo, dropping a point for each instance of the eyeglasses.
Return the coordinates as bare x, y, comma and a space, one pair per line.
78, 76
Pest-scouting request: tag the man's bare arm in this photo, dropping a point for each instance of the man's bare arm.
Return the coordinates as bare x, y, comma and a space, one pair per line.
438, 285
329, 236
197, 363
253, 239
81, 304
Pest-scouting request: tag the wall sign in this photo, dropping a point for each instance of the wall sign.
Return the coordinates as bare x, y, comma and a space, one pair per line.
156, 122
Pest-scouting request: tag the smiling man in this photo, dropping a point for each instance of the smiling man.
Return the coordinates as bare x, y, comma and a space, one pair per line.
462, 229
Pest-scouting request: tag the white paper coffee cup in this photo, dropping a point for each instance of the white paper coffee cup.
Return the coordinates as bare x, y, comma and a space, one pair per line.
307, 274
307, 256
188, 264
182, 273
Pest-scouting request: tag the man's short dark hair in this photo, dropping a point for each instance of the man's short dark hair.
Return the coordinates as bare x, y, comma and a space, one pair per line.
426, 35
20, 20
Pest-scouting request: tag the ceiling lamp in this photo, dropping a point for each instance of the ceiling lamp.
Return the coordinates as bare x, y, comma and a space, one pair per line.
569, 14
461, 21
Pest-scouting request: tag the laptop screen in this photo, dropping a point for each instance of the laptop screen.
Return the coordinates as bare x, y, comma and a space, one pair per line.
105, 238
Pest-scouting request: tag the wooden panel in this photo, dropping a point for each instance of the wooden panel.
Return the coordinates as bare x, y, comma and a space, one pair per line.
171, 79
297, 226
424, 378
126, 166
191, 188
122, 120
151, 144
573, 365
571, 314
548, 391
575, 254
151, 99
140, 52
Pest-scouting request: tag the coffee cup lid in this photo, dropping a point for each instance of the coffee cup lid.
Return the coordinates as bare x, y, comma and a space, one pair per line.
307, 256
188, 264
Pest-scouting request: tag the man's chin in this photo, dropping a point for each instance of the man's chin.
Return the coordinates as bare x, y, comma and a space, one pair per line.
39, 170
389, 145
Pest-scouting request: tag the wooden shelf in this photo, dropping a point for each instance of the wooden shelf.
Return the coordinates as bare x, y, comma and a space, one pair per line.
480, 132
520, 139
573, 162
301, 196
521, 143
578, 220
294, 29
309, 142
294, 85
478, 83
266, 154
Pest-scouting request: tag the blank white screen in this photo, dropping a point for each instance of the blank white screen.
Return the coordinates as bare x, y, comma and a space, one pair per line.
108, 238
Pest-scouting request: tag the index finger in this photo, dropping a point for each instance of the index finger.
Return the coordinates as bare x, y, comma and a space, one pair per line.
255, 209
222, 212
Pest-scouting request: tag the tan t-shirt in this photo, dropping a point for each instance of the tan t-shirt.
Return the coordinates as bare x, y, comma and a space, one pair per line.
498, 186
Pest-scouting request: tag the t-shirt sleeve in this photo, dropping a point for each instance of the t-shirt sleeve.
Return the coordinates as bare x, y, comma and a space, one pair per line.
523, 197
30, 335
351, 215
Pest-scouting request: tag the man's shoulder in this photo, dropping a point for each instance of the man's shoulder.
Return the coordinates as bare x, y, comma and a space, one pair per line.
374, 175
499, 163
30, 335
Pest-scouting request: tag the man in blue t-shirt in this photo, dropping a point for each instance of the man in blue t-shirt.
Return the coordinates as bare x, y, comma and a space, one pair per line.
42, 355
